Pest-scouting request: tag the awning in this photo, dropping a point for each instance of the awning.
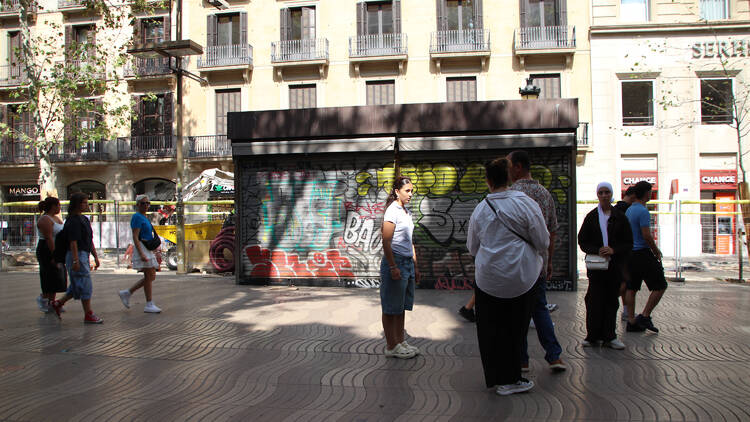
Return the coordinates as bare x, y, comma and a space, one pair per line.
515, 141
317, 146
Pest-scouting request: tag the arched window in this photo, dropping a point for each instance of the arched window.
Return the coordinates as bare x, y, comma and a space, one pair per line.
95, 191
156, 190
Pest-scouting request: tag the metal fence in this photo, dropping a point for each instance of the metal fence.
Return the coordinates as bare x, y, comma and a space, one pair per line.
110, 223
464, 40
226, 55
299, 50
377, 45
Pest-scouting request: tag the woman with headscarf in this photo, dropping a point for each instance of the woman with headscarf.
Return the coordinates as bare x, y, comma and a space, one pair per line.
605, 232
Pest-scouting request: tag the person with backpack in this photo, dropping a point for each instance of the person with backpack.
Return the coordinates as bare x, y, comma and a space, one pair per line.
77, 230
51, 273
144, 259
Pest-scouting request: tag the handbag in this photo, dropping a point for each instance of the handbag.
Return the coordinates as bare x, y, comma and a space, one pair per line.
154, 243
596, 262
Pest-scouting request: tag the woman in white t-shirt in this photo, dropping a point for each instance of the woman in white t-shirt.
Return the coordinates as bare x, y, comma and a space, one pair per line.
398, 273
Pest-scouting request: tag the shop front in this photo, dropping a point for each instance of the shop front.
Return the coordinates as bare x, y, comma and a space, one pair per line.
629, 178
311, 197
19, 224
718, 221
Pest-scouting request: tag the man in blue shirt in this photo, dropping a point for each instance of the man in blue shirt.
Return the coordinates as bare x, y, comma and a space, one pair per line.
645, 262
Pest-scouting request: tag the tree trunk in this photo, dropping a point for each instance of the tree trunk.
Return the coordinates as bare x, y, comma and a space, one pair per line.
744, 194
47, 177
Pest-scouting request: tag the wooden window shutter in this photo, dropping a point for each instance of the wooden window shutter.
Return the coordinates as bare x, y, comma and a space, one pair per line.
361, 18
69, 121
442, 18
308, 23
137, 32
396, 6
522, 6
243, 28
168, 112
98, 111
167, 22
68, 42
285, 25
478, 19
562, 12
136, 121
91, 50
212, 23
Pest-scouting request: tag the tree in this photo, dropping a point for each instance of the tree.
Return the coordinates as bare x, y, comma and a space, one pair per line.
71, 87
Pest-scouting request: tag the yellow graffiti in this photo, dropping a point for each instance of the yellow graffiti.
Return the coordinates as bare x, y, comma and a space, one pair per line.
562, 198
383, 179
541, 174
362, 186
429, 179
473, 180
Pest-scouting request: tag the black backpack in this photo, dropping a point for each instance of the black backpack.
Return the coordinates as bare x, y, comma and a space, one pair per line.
61, 246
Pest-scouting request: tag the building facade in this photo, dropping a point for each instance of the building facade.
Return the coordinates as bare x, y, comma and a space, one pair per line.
665, 78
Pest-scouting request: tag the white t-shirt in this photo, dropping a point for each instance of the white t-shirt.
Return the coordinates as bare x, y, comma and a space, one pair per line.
401, 243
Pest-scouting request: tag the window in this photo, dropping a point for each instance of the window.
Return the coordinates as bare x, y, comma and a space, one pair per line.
541, 13
379, 18
634, 10
298, 23
20, 121
381, 92
228, 29
14, 45
153, 115
460, 14
461, 89
716, 101
712, 10
549, 85
226, 101
637, 103
302, 96
153, 30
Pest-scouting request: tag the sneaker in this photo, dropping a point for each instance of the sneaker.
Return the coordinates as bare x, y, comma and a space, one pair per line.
517, 387
468, 314
557, 365
587, 343
42, 304
525, 367
57, 307
151, 308
408, 346
91, 318
125, 297
635, 328
400, 352
552, 307
531, 324
646, 323
614, 344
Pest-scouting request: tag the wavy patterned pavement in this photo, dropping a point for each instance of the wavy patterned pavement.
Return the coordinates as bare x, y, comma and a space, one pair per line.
222, 352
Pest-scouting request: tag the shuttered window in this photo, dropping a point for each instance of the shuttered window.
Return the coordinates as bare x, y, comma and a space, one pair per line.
381, 92
461, 89
226, 101
549, 85
302, 96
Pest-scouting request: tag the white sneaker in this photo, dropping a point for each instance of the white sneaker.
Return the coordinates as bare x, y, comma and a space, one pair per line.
615, 344
552, 307
42, 304
518, 387
125, 297
408, 346
151, 308
399, 352
587, 343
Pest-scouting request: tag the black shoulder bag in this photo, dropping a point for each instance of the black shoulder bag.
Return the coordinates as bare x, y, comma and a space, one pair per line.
154, 243
506, 225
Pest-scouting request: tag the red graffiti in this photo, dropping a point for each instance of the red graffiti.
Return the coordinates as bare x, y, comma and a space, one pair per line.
281, 264
372, 209
444, 283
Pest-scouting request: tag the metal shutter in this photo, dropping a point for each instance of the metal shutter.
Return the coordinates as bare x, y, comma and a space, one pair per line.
461, 89
381, 92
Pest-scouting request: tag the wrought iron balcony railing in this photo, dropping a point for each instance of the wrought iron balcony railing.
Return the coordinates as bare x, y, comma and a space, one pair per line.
16, 152
377, 45
209, 146
9, 7
71, 4
460, 41
70, 152
582, 134
545, 37
147, 146
299, 50
12, 75
226, 55
148, 67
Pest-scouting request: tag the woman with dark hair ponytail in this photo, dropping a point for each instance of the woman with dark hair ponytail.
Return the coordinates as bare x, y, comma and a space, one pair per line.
398, 273
51, 274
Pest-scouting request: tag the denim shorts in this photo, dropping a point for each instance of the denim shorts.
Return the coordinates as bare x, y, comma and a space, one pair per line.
397, 296
80, 281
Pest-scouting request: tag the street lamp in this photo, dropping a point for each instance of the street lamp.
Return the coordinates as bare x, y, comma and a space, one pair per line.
175, 49
529, 92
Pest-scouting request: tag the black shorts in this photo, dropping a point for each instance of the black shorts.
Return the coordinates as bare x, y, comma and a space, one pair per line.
643, 266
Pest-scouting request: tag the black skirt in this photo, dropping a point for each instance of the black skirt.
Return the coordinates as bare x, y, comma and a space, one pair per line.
52, 275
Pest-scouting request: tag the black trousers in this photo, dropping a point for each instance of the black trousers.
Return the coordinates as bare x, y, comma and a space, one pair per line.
602, 303
502, 325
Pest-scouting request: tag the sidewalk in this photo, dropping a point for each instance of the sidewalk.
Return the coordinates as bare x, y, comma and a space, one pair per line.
222, 352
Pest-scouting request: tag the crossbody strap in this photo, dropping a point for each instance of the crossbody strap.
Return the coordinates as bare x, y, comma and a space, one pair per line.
505, 224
